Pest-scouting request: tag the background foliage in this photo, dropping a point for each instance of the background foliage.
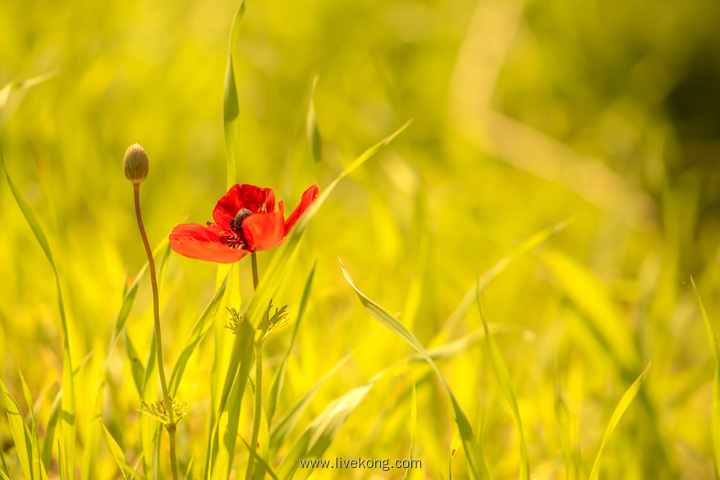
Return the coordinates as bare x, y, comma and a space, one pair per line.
525, 114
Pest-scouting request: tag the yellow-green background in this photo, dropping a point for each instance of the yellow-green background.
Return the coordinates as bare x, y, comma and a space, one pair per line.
525, 114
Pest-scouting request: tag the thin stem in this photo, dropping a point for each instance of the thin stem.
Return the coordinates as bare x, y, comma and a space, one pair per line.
158, 333
254, 271
258, 380
258, 403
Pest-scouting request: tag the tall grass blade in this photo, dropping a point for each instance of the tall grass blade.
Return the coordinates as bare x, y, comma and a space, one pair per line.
715, 412
413, 429
50, 430
313, 133
261, 461
506, 386
231, 106
68, 399
625, 401
199, 331
470, 444
277, 383
119, 456
20, 433
37, 466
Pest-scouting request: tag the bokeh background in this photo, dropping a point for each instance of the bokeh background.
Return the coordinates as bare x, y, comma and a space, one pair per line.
525, 114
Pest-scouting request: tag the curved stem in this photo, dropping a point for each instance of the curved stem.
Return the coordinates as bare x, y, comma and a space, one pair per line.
158, 334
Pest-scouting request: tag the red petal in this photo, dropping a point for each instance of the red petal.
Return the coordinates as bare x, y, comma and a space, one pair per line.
264, 230
308, 198
204, 243
242, 196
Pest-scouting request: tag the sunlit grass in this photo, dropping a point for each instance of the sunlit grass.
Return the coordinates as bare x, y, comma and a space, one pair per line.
524, 115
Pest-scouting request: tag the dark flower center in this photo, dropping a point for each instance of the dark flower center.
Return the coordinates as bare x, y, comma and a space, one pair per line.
236, 237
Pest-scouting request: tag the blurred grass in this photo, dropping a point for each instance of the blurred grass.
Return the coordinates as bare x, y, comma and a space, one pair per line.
524, 115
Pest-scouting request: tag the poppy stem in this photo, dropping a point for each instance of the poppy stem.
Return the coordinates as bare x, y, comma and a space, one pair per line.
253, 258
258, 380
158, 335
258, 402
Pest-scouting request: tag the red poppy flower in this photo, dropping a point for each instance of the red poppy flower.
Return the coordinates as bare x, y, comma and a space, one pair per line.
245, 221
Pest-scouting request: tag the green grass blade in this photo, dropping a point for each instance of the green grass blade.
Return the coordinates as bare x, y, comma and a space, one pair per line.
231, 106
50, 430
199, 331
715, 412
37, 466
19, 431
68, 401
313, 133
261, 461
413, 429
119, 456
277, 383
506, 386
470, 444
284, 259
136, 366
535, 240
625, 401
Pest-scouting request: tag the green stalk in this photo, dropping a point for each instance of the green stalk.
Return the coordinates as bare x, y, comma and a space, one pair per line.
171, 428
258, 381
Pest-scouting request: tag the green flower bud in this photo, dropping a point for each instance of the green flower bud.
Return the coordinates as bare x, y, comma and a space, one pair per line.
135, 164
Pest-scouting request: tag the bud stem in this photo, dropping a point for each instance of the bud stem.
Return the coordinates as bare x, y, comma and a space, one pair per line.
158, 334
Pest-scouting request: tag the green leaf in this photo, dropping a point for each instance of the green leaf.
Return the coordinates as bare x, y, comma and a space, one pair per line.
68, 401
715, 409
50, 430
119, 456
472, 448
625, 401
199, 331
19, 431
275, 388
136, 366
313, 133
503, 377
231, 106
